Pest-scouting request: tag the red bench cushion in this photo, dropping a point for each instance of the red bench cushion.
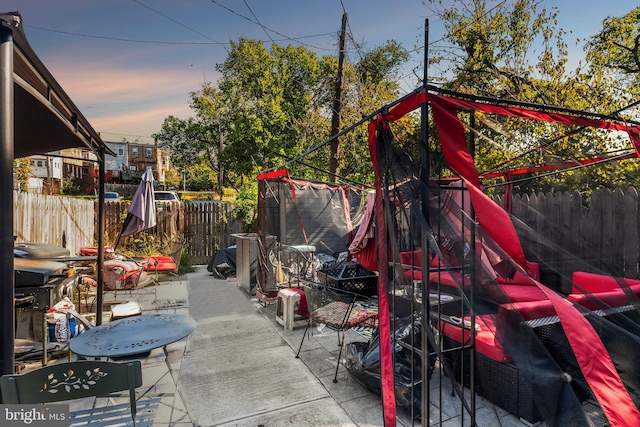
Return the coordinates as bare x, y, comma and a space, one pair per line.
615, 298
520, 278
486, 342
595, 283
528, 309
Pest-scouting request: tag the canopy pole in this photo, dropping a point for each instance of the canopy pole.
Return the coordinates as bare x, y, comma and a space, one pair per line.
7, 278
101, 228
425, 172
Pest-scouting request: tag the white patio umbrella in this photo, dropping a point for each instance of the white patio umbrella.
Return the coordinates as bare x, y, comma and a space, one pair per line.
142, 212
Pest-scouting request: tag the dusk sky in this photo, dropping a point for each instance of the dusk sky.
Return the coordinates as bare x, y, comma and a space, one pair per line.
128, 64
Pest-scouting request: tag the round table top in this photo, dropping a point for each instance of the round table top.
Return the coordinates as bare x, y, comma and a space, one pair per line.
132, 335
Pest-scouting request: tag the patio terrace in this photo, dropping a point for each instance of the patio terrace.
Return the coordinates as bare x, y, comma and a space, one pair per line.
238, 368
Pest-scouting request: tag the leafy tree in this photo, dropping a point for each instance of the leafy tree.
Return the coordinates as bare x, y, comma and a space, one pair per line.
200, 177
172, 178
189, 141
491, 54
271, 105
616, 48
269, 96
370, 84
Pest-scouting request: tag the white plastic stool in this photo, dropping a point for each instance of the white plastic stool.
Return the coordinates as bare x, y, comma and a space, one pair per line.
286, 309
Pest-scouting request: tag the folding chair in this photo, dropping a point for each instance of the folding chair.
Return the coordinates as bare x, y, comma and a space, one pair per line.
338, 310
122, 274
169, 263
81, 379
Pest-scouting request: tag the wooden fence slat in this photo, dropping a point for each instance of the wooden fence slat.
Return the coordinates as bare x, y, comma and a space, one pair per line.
630, 229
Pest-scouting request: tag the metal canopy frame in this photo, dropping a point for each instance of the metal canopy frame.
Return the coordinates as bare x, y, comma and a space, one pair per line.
36, 117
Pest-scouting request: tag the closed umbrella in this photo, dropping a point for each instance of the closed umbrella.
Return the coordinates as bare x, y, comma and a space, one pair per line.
142, 212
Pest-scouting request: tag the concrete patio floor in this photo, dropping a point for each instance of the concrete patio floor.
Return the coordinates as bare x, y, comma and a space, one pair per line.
238, 368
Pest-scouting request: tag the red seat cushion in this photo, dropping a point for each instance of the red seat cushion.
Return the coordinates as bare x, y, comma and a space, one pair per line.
521, 279
529, 309
449, 279
413, 274
92, 250
595, 283
518, 293
413, 259
486, 342
158, 263
614, 298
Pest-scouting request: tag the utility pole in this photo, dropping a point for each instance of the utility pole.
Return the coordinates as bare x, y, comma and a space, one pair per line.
337, 102
220, 166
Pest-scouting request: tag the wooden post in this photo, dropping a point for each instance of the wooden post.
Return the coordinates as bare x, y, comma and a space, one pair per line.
337, 103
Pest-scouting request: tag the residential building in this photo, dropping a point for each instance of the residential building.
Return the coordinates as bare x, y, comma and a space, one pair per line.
48, 169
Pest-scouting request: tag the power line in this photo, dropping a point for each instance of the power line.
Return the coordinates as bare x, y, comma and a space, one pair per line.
264, 27
124, 134
173, 20
158, 41
258, 21
123, 39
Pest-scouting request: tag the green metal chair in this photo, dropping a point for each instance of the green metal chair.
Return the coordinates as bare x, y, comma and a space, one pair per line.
81, 379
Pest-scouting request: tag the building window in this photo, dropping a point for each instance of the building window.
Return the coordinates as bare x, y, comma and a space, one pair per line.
149, 152
134, 151
40, 163
120, 151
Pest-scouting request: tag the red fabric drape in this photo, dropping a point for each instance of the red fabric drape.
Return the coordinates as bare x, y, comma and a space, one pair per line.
274, 174
595, 363
384, 329
363, 245
453, 141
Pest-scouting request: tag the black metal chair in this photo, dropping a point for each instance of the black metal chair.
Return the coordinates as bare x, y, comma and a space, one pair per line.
80, 379
338, 310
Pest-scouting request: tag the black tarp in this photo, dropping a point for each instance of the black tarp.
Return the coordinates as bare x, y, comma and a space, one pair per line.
223, 264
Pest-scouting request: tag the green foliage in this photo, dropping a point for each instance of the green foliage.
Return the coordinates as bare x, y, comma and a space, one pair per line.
616, 49
186, 263
172, 178
143, 243
200, 177
492, 55
271, 105
246, 209
67, 185
22, 169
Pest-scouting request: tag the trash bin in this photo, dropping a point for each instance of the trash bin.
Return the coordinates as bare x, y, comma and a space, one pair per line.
248, 261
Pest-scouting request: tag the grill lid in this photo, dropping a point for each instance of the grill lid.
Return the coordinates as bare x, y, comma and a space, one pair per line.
35, 272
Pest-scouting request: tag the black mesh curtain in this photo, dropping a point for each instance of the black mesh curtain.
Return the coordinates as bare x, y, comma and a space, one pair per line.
306, 213
489, 327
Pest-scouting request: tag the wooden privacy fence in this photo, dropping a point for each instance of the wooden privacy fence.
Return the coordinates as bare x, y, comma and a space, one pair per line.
564, 235
207, 226
59, 221
72, 223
